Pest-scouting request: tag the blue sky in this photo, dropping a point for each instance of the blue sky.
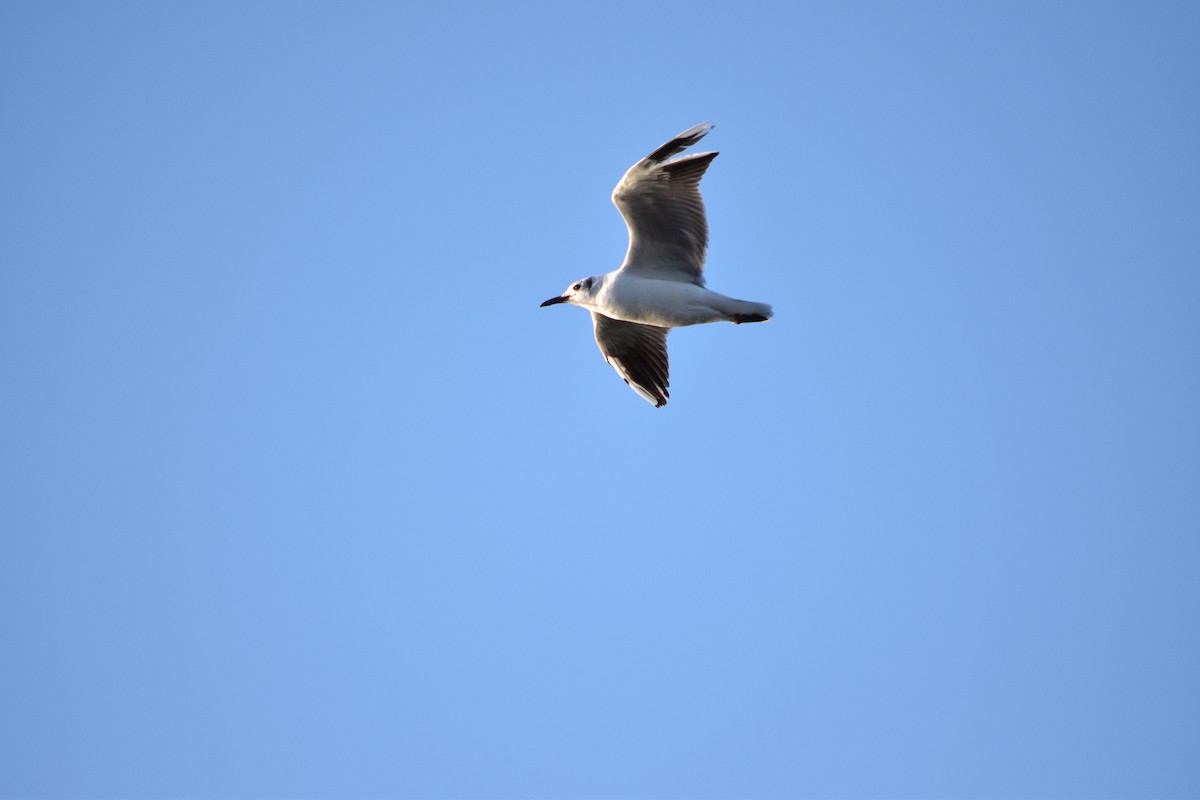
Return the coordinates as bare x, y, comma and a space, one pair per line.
304, 496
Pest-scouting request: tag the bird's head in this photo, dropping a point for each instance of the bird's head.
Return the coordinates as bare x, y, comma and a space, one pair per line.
580, 293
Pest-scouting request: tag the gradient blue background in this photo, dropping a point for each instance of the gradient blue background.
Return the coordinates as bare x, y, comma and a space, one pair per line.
304, 496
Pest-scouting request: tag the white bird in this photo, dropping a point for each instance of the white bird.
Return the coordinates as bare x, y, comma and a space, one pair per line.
660, 285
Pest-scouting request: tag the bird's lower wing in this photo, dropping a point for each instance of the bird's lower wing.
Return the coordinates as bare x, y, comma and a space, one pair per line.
638, 353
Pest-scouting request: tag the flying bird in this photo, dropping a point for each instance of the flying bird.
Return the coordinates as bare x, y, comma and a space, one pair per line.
660, 285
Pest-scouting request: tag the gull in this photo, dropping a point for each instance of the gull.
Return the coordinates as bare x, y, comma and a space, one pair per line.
660, 285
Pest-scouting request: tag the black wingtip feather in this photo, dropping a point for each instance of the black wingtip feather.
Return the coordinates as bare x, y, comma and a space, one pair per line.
689, 167
680, 142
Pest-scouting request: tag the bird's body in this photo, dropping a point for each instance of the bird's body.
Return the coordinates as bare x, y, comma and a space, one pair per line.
667, 304
660, 285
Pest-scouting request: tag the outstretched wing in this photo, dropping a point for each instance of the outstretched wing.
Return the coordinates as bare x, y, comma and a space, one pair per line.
660, 201
638, 353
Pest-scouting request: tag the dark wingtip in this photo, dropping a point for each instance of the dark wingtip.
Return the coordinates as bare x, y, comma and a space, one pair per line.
681, 142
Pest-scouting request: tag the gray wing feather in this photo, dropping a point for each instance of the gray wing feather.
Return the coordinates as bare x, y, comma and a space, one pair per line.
660, 201
638, 353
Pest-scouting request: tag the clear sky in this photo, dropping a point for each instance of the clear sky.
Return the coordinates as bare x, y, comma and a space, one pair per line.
303, 495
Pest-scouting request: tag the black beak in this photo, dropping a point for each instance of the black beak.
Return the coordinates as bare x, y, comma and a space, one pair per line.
553, 301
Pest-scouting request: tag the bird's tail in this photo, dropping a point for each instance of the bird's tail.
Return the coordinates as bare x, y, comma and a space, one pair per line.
746, 311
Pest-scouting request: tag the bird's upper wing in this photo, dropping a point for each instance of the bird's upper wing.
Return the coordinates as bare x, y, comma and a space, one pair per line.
638, 353
660, 201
